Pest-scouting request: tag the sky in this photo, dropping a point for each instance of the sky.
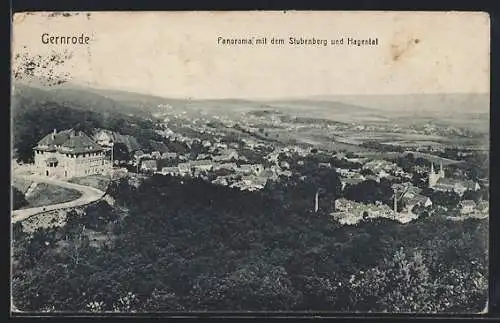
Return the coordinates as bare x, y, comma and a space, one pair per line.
176, 54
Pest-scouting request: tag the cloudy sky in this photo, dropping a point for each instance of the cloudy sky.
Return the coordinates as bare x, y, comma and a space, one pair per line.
177, 54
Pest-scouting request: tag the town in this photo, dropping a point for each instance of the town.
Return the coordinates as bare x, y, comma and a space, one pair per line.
247, 155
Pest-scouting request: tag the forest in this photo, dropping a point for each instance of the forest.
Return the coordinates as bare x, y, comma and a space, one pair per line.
173, 244
36, 113
179, 244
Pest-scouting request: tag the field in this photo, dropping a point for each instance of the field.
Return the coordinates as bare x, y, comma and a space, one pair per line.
434, 159
429, 157
47, 194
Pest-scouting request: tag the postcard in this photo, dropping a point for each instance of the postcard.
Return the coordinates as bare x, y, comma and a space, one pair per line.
250, 162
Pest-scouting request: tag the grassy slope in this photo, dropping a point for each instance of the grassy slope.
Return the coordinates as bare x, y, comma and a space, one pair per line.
46, 194
95, 181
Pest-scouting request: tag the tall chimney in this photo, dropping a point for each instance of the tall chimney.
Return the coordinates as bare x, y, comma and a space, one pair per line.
54, 134
395, 203
316, 206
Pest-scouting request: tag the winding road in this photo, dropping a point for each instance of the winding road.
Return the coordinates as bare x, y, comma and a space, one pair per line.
89, 195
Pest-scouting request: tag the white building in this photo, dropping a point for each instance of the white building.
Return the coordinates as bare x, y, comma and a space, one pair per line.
69, 153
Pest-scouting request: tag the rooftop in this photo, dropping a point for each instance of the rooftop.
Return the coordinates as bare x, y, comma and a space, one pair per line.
68, 141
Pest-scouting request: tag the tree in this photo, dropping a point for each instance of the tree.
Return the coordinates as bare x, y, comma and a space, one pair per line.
399, 284
120, 151
369, 192
448, 199
17, 231
18, 199
420, 180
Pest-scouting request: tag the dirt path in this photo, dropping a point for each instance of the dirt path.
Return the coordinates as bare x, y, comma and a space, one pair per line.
89, 195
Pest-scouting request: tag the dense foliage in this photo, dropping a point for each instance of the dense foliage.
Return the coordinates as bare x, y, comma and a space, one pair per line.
18, 199
183, 244
36, 113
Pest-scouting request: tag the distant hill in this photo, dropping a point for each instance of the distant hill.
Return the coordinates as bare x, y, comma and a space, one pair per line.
436, 103
79, 98
37, 111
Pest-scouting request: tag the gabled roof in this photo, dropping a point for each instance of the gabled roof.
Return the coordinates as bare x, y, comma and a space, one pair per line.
56, 139
467, 203
149, 163
483, 205
68, 141
201, 162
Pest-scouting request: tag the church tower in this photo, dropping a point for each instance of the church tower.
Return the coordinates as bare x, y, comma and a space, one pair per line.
441, 170
433, 177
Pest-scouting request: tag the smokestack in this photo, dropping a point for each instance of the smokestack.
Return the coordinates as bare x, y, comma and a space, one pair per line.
316, 206
54, 132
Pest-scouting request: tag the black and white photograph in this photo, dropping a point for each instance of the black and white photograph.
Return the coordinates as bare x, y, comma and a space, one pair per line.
250, 162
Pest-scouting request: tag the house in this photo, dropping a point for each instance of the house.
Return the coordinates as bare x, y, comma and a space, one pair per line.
169, 155
250, 183
248, 169
201, 165
226, 155
156, 155
228, 166
483, 206
69, 153
184, 168
415, 200
170, 170
220, 181
358, 210
203, 156
457, 186
138, 154
285, 165
467, 206
149, 165
485, 182
104, 138
343, 205
343, 171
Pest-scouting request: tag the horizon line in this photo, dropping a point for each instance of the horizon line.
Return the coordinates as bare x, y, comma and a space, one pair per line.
318, 97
